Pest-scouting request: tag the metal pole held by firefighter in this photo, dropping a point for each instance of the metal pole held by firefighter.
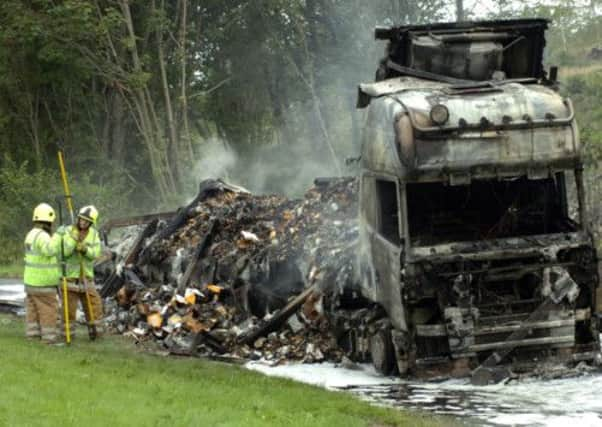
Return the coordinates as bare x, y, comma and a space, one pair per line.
92, 334
64, 281
68, 196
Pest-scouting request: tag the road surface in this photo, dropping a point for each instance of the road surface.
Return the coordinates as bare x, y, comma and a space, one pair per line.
11, 292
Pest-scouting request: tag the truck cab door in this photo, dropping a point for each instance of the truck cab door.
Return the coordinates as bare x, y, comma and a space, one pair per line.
382, 248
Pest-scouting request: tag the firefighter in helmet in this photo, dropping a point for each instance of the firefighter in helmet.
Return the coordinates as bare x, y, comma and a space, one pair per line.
82, 247
41, 276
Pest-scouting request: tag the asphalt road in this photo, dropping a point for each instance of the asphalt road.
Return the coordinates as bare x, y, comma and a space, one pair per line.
11, 292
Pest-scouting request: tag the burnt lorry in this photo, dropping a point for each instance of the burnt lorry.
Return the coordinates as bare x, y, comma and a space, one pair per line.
476, 254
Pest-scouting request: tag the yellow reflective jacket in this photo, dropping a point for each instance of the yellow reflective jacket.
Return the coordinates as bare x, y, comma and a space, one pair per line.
41, 264
78, 263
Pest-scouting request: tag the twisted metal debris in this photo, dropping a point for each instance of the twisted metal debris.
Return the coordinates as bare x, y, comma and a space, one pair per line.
239, 275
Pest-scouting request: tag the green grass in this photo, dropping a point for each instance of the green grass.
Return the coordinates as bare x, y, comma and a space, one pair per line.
111, 383
11, 270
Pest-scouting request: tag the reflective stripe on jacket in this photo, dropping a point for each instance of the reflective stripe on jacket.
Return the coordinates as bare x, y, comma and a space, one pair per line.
41, 265
74, 259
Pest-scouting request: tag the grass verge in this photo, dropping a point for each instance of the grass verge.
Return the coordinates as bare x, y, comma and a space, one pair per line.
11, 270
109, 382
566, 72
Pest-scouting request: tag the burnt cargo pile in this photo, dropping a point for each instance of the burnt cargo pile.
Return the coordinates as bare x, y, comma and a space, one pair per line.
239, 275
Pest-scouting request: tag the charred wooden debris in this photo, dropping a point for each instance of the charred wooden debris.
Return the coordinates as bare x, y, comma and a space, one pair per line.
238, 275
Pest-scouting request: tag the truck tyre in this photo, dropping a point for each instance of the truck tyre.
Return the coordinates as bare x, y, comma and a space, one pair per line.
382, 352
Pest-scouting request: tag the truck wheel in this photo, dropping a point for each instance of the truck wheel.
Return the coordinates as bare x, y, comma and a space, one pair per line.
382, 352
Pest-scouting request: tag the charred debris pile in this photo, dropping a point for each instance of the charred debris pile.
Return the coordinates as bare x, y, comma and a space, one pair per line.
238, 275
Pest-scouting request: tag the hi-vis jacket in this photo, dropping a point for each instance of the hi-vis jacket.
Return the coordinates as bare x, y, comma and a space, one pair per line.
79, 264
41, 264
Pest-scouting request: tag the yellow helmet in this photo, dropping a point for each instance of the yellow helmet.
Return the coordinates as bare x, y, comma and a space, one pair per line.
44, 213
89, 213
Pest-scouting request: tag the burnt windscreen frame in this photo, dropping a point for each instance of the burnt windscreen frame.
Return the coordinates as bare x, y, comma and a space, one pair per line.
522, 53
486, 209
388, 211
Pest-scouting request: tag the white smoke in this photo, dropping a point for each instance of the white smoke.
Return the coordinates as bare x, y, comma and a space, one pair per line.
216, 160
287, 169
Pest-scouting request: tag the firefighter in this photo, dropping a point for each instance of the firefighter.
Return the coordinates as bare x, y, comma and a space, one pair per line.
82, 246
41, 276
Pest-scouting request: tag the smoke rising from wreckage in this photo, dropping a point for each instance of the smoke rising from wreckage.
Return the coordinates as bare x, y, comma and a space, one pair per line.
463, 258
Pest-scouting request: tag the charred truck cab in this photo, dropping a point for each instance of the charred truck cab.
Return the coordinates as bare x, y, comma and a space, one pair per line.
475, 249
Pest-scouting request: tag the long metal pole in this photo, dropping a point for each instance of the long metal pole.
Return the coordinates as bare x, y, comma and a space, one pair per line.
69, 198
64, 281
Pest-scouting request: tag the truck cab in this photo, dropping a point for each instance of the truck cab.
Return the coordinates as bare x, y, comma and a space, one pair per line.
475, 244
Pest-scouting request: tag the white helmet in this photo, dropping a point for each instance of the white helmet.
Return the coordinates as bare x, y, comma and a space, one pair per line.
44, 213
89, 213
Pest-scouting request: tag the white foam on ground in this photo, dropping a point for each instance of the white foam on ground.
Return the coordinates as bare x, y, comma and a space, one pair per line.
326, 375
581, 420
554, 403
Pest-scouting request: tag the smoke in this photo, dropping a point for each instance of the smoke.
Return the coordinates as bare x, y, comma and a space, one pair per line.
288, 162
286, 168
217, 160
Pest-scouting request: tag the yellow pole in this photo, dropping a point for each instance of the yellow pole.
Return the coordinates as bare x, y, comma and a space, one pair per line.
91, 326
64, 278
68, 197
66, 310
66, 186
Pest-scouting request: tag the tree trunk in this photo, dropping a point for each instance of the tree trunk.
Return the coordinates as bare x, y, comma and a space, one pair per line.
592, 6
173, 157
148, 124
33, 105
459, 10
107, 118
184, 82
309, 80
117, 130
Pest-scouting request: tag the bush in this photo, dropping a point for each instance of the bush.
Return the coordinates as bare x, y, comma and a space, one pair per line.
575, 86
21, 189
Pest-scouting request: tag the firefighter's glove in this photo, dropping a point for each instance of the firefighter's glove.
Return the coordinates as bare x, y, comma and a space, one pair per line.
61, 231
81, 247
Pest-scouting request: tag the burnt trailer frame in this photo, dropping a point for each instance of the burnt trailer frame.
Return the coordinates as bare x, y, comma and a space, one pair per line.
517, 282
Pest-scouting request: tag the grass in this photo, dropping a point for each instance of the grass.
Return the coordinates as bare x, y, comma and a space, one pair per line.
572, 71
109, 382
11, 270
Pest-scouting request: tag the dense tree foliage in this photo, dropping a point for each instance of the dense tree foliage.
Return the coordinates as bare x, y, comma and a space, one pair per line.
140, 92
132, 88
